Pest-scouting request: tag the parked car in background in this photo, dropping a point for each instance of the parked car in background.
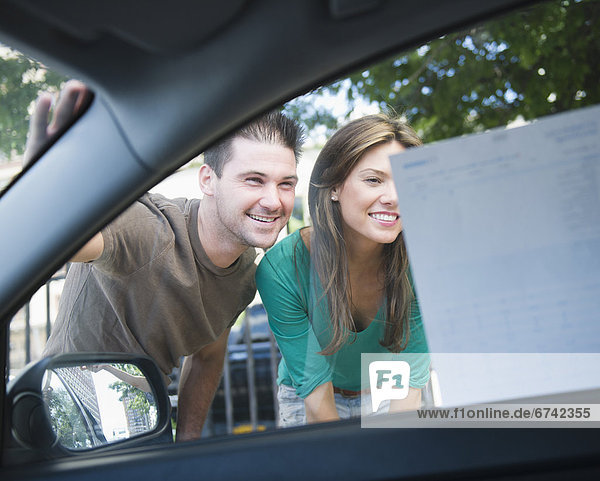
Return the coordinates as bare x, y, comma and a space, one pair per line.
169, 79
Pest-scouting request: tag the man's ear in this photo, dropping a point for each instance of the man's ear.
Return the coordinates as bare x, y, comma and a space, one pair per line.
206, 179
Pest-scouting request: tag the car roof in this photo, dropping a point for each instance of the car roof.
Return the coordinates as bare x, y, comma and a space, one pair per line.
170, 79
190, 71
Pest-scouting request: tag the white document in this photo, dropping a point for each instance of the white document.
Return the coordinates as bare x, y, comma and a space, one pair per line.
503, 235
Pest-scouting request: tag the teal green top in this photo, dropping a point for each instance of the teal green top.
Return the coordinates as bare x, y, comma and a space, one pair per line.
300, 323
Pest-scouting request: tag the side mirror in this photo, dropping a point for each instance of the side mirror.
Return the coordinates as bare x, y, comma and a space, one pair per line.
72, 403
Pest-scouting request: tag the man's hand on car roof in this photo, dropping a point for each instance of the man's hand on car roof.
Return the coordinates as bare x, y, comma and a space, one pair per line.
72, 99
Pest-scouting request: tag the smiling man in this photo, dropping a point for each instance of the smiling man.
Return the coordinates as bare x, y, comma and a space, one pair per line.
249, 190
168, 278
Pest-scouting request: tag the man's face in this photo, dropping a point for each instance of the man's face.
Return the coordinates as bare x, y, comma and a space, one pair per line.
255, 193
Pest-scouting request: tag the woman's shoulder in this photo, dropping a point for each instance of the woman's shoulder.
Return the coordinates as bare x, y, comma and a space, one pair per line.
292, 246
289, 257
305, 234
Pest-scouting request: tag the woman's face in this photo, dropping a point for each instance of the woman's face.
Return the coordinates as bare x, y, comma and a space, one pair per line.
368, 199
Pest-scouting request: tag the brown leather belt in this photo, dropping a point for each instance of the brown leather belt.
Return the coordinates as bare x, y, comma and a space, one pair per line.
346, 392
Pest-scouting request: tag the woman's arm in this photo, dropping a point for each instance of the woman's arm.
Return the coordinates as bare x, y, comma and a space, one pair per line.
284, 292
411, 402
320, 405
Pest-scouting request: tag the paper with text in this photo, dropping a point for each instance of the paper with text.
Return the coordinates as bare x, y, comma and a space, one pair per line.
503, 235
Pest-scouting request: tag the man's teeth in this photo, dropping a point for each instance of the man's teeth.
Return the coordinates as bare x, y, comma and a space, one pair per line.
262, 219
384, 217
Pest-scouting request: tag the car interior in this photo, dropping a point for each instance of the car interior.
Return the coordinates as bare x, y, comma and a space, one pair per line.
168, 80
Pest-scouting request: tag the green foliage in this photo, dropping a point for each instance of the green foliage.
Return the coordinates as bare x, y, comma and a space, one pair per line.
312, 115
129, 369
528, 64
21, 80
67, 422
134, 398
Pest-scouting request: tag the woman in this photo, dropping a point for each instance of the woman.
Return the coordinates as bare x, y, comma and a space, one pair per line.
342, 287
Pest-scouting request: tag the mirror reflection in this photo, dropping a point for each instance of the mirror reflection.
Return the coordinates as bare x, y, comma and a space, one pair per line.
97, 404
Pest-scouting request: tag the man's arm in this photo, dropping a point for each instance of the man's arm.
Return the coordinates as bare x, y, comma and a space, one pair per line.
42, 130
91, 250
200, 376
320, 405
139, 382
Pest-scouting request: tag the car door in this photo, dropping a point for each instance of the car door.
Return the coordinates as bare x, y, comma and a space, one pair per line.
45, 194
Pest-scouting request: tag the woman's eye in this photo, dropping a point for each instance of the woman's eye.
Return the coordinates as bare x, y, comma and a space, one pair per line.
372, 180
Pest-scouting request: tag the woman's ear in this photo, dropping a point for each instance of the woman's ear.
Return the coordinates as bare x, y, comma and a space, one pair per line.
335, 194
206, 179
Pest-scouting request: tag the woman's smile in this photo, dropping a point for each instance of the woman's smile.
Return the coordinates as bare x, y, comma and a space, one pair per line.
387, 219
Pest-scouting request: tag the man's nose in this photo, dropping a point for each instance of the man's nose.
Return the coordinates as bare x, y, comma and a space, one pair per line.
271, 198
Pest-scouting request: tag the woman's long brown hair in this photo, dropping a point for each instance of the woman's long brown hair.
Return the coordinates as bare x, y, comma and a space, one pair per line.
327, 246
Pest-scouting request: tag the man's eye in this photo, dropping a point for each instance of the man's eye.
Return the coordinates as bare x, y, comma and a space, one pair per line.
288, 185
254, 180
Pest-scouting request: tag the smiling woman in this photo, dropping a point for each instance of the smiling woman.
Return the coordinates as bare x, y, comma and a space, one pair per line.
368, 200
343, 287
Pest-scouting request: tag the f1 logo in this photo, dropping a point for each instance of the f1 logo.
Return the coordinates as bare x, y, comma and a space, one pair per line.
388, 380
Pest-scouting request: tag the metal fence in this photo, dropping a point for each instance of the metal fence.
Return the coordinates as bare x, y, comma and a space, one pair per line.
269, 409
21, 336
246, 399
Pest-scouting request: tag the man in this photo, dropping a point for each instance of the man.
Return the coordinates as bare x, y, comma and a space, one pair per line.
168, 278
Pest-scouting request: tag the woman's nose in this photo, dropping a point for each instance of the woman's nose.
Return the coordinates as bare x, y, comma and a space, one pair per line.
389, 196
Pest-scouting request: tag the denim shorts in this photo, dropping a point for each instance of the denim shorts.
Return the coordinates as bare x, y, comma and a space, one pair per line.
292, 413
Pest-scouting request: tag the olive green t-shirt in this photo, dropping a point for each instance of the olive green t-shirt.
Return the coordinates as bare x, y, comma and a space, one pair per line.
153, 290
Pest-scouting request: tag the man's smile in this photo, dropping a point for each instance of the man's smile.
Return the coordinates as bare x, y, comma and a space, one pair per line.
262, 218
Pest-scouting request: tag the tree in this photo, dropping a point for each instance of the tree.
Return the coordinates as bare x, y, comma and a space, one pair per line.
67, 420
521, 66
134, 398
21, 80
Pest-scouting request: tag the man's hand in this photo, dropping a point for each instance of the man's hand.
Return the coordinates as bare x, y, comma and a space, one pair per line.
200, 376
73, 98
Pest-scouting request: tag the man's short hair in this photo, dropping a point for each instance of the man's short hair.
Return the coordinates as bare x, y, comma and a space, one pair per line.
272, 128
